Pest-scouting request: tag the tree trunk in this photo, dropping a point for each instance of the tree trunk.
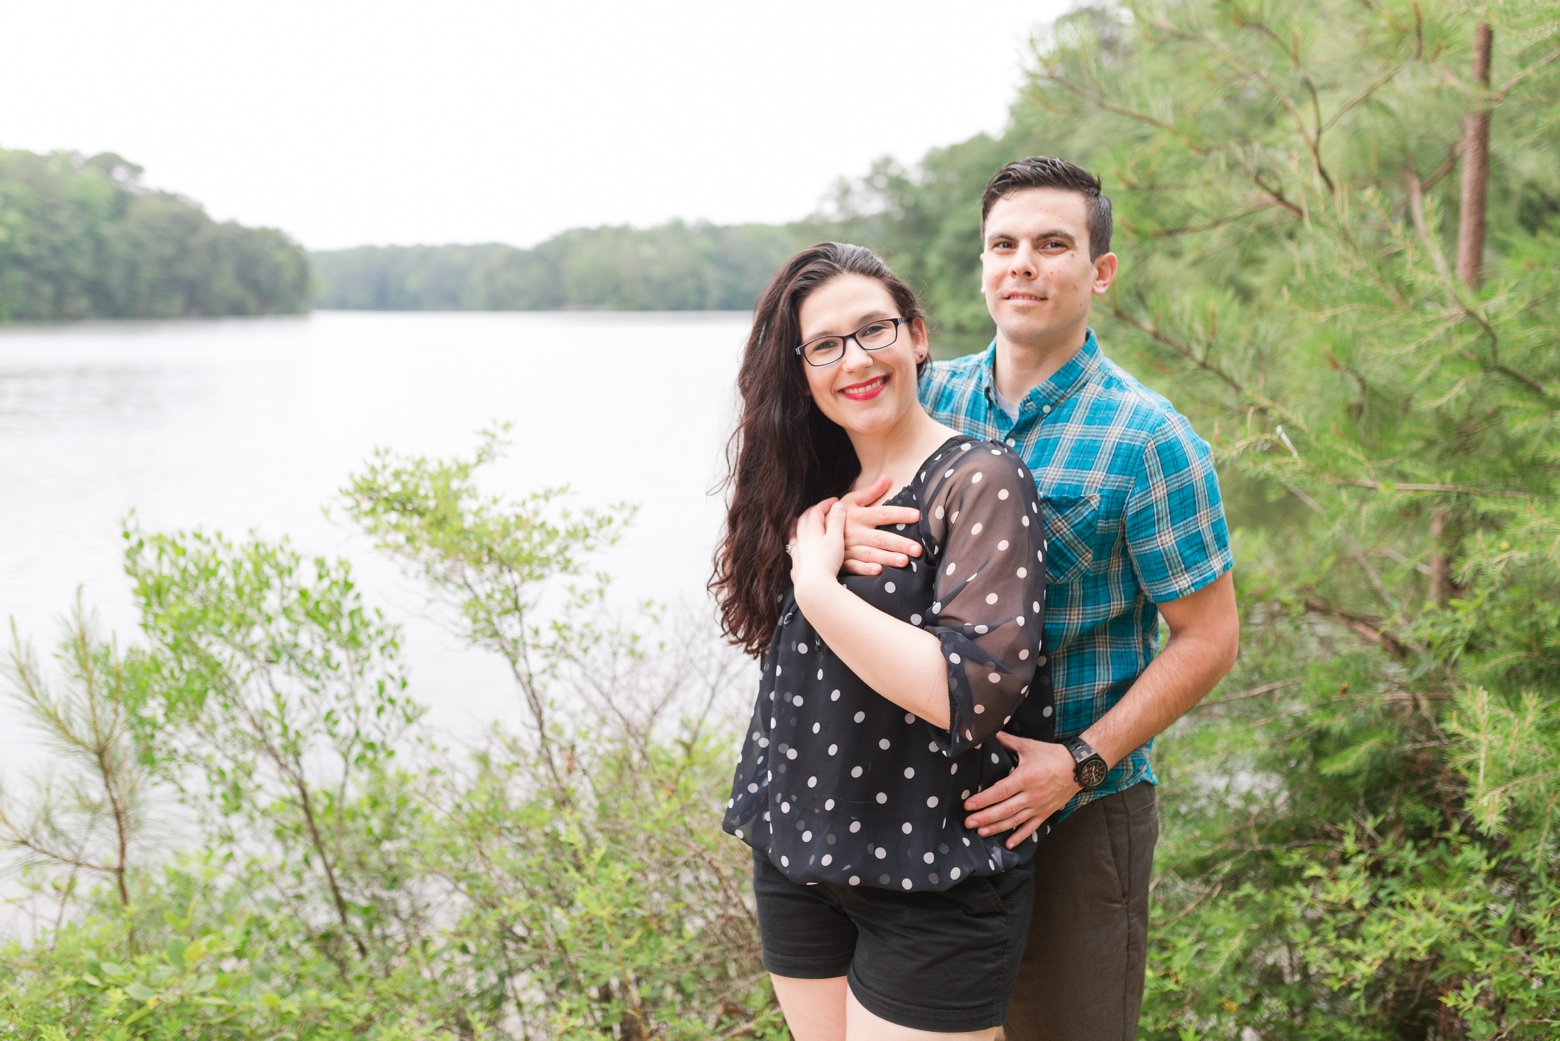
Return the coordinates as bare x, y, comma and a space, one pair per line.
1475, 167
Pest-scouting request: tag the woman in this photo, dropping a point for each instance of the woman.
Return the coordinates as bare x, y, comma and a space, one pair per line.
881, 915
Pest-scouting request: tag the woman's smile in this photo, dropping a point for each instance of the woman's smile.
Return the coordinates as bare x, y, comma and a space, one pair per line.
867, 389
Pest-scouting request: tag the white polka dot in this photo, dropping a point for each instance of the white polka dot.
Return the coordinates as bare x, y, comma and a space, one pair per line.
915, 619
888, 587
907, 827
790, 753
951, 566
954, 658
949, 473
955, 517
855, 771
1021, 471
1020, 621
855, 880
815, 727
828, 804
1023, 654
909, 717
954, 873
806, 836
991, 598
953, 769
976, 478
931, 804
855, 826
976, 530
938, 513
980, 709
1046, 711
1023, 572
763, 742
882, 797
785, 807
859, 716
834, 695
883, 744
981, 629
1036, 606
828, 859
994, 678
738, 833
820, 674
801, 648
784, 862
1002, 494
752, 787
994, 757
833, 749
812, 782
909, 772
906, 883
931, 746
880, 853
798, 701
1025, 520
964, 447
965, 795
937, 607
996, 451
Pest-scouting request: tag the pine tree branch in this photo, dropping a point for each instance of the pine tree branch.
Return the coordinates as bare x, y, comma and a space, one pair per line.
1364, 626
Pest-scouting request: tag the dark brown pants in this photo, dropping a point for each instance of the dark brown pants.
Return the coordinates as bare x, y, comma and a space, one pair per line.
1082, 974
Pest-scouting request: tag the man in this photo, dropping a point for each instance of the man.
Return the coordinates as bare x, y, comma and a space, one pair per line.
1136, 531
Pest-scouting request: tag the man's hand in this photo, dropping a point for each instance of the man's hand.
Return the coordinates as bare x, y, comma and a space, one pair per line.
867, 550
1039, 785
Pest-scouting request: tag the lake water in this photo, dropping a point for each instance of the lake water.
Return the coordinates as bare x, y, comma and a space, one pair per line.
252, 424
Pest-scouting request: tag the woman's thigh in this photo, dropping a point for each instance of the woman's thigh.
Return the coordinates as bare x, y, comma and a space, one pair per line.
814, 1009
861, 1025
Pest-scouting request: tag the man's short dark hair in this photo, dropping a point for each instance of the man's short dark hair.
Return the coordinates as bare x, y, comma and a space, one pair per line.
1045, 171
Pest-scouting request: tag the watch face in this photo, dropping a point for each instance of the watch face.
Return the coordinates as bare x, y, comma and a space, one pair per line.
1091, 773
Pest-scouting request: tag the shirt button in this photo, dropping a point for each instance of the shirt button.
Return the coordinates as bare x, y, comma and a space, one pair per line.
1011, 442
1046, 409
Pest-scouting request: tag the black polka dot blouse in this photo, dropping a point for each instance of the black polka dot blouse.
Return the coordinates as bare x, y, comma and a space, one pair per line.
837, 783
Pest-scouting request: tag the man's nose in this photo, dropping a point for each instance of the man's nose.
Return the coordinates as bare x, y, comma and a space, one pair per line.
1023, 264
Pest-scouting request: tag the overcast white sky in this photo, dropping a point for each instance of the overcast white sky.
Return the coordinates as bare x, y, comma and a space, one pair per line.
346, 123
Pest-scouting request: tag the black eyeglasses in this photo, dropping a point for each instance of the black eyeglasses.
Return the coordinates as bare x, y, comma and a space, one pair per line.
874, 336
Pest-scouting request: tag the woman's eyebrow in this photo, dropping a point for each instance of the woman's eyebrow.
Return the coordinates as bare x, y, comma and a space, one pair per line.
859, 322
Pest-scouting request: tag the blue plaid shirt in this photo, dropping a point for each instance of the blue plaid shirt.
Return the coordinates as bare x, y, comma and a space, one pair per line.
1132, 514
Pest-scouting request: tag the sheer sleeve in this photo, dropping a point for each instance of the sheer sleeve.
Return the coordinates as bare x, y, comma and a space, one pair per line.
984, 516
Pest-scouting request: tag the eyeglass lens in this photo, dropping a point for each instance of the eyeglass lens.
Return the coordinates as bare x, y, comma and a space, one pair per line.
873, 336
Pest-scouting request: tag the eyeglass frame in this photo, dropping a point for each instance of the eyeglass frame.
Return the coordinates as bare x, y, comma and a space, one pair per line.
851, 336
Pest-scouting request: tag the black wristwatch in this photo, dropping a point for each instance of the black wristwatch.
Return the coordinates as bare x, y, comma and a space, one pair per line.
1089, 769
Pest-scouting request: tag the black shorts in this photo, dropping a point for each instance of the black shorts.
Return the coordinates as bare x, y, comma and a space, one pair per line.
932, 961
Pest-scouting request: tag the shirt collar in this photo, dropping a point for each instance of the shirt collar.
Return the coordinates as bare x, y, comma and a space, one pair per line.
1061, 385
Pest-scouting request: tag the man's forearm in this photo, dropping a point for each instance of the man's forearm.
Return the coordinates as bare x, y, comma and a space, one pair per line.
1191, 662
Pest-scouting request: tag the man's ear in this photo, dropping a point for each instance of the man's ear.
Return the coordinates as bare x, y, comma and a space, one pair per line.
1104, 273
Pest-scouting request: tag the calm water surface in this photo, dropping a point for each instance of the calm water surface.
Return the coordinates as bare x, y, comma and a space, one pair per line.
253, 424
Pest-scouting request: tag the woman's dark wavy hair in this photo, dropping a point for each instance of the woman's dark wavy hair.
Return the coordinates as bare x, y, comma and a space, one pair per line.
785, 454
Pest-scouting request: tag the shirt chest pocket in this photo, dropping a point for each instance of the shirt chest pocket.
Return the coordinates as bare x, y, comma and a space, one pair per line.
1071, 526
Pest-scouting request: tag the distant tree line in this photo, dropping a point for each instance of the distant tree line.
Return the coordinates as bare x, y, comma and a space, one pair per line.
673, 267
81, 237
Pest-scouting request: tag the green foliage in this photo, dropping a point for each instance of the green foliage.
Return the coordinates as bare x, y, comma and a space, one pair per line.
348, 875
673, 267
82, 238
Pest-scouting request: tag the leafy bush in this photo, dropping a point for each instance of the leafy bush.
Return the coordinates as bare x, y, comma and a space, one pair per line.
349, 876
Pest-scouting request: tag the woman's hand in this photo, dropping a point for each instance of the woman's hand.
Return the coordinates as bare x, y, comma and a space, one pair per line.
818, 548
